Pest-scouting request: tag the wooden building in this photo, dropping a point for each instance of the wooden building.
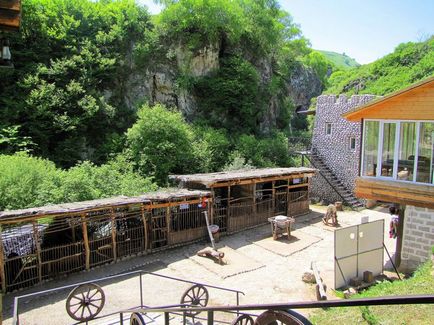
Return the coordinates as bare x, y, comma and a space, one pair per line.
42, 243
397, 163
246, 198
10, 15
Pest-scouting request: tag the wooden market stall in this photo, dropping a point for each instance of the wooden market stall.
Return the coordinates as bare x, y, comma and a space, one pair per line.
37, 244
246, 198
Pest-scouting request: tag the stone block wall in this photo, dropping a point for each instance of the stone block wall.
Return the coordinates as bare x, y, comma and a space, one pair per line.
418, 237
334, 148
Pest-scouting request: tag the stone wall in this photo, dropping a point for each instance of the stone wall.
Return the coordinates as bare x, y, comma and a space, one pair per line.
334, 148
418, 237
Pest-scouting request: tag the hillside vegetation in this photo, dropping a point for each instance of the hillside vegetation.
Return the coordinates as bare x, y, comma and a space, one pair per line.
341, 61
409, 63
102, 89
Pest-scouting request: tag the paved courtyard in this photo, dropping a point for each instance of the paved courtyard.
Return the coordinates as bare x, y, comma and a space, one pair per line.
266, 271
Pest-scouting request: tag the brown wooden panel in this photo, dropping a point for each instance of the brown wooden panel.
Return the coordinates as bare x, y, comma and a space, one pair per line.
14, 5
9, 21
416, 103
396, 192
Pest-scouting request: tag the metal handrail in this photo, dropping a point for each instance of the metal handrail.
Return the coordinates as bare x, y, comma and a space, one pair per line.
139, 272
378, 301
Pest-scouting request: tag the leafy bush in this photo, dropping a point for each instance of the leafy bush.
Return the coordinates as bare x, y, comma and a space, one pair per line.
211, 148
160, 142
22, 178
265, 152
27, 181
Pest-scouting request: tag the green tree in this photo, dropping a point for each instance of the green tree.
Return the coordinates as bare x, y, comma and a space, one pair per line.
160, 142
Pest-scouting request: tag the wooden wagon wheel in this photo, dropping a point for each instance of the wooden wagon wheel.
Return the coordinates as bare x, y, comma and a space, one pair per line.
243, 320
85, 302
275, 317
137, 319
195, 296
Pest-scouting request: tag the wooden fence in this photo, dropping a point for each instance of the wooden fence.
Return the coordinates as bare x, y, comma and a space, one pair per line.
43, 247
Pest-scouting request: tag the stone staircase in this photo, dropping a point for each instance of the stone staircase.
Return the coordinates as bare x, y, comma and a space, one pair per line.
347, 196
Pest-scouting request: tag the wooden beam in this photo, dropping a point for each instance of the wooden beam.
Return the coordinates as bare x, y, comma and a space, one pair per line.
13, 5
38, 249
2, 263
259, 180
145, 228
86, 241
396, 192
168, 225
114, 244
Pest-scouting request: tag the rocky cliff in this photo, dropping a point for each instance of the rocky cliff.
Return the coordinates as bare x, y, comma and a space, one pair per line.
158, 82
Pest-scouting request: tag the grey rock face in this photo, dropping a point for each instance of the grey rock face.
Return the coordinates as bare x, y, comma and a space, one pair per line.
158, 84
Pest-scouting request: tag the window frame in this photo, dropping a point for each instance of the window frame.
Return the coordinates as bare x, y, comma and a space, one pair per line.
396, 150
351, 142
327, 124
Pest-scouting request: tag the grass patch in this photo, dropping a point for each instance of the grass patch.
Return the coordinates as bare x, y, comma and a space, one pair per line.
422, 282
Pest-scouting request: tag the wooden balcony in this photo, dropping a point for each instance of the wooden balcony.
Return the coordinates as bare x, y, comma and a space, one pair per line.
395, 191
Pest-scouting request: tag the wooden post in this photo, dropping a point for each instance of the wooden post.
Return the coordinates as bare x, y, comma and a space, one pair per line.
211, 209
228, 212
254, 199
2, 263
273, 201
38, 249
145, 227
113, 222
168, 225
86, 241
287, 199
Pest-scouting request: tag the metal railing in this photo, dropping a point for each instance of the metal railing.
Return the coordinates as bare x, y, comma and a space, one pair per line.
140, 273
380, 301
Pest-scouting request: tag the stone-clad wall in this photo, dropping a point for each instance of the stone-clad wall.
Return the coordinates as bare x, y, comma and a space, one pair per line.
418, 237
334, 149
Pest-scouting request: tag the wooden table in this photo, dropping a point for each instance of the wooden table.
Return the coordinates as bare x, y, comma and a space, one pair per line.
279, 227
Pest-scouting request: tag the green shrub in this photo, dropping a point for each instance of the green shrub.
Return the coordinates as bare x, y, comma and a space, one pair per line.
27, 181
22, 178
211, 148
265, 152
160, 142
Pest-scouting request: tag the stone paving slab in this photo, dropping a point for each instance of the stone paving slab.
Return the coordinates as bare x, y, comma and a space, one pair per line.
286, 247
233, 264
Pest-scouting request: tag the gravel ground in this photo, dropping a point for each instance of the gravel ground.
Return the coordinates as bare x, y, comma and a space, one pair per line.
264, 275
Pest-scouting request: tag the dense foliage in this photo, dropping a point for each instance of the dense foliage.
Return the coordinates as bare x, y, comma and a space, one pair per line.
27, 181
70, 59
409, 63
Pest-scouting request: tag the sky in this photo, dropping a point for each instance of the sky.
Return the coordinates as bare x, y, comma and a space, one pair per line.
365, 30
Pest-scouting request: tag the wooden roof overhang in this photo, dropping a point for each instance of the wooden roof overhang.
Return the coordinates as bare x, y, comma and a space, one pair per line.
397, 192
10, 15
148, 200
245, 177
415, 102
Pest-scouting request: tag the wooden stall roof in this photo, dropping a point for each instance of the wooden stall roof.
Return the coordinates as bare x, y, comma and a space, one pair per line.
77, 207
415, 102
240, 176
174, 194
10, 15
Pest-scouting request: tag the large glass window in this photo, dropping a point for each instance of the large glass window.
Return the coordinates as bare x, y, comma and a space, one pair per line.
425, 154
406, 151
388, 149
370, 148
403, 150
